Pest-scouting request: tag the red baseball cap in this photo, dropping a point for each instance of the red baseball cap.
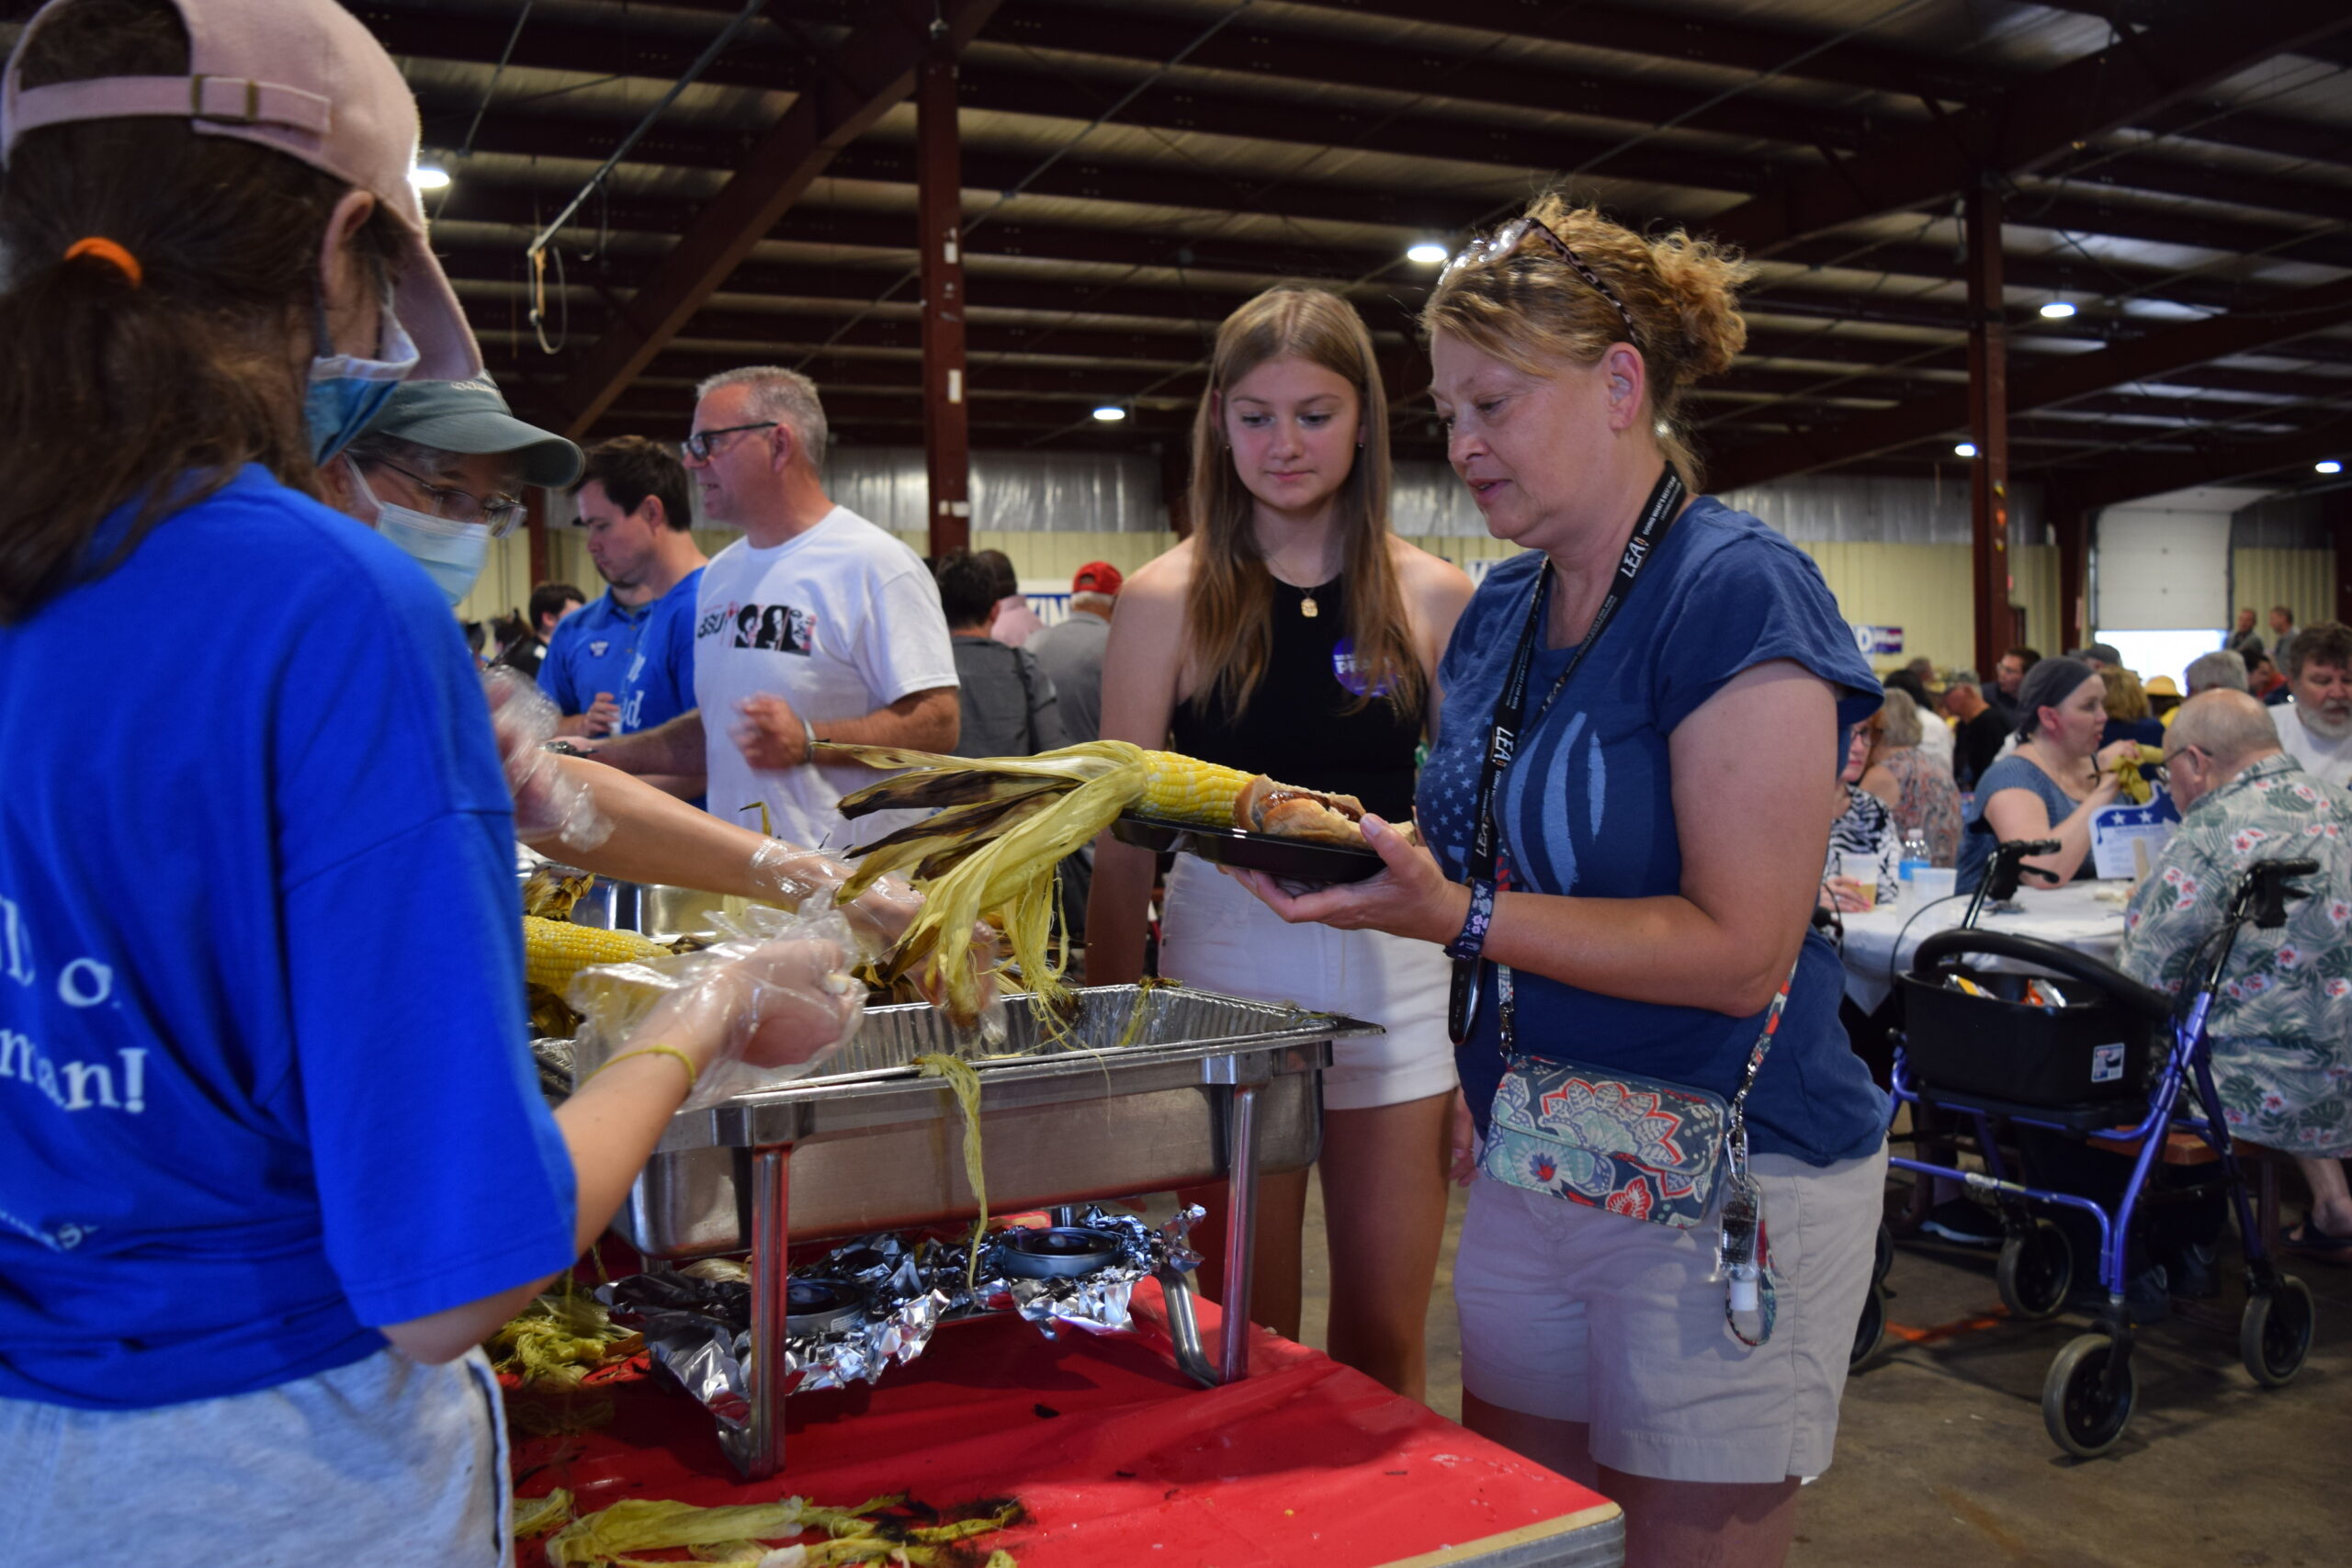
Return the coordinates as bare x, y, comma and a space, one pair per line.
304, 77
1096, 577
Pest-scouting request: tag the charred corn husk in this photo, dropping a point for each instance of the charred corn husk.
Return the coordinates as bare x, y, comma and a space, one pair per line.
554, 950
1002, 824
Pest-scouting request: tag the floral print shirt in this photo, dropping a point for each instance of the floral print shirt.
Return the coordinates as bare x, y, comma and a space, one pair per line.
2281, 1023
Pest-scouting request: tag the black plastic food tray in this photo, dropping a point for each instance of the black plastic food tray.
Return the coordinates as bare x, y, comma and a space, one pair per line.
2000, 1046
1300, 860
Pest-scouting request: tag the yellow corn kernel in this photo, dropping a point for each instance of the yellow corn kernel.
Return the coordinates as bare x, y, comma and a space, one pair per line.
1185, 789
554, 950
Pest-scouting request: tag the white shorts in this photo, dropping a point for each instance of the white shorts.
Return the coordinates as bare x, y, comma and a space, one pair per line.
1217, 936
1577, 1314
383, 1460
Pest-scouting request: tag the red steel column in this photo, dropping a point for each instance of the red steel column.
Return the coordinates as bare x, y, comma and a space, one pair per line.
947, 431
2072, 524
1988, 425
534, 518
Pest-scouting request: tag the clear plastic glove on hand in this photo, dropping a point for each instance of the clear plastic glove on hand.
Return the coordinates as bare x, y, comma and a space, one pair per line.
551, 810
769, 1004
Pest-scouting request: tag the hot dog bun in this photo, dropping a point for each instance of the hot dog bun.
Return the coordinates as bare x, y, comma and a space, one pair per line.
1288, 811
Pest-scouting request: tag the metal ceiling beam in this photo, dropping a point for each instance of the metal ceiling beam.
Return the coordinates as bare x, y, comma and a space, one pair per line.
2116, 482
2038, 121
872, 70
1181, 108
1709, 39
2055, 382
1296, 60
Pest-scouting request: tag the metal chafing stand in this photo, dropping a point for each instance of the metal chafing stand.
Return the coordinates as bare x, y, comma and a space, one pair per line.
1146, 1089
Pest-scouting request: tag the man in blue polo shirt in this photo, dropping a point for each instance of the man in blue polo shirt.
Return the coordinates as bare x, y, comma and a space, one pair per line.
626, 662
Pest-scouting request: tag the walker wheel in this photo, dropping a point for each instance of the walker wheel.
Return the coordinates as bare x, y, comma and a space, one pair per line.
1869, 1330
2275, 1332
2036, 1267
2085, 1416
1884, 1257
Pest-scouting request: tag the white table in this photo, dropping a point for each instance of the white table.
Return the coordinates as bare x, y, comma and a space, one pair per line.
1880, 943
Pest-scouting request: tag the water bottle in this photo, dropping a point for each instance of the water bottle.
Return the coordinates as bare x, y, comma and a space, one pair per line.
1915, 858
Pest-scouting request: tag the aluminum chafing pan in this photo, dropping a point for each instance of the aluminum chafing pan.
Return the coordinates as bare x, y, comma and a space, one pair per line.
1131, 1100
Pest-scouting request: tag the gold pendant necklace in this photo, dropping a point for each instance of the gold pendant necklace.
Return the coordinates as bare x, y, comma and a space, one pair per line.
1307, 605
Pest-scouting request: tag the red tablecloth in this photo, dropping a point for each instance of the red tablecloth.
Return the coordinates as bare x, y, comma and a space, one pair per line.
1118, 1458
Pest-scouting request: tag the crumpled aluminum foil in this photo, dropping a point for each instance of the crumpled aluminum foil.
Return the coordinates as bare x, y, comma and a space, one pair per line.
903, 1307
1097, 1301
697, 1323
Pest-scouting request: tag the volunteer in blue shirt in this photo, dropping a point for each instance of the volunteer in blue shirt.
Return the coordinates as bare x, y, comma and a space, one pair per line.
276, 1160
1658, 832
626, 662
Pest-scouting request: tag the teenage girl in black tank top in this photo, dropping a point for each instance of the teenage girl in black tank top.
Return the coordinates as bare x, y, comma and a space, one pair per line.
1297, 728
1216, 652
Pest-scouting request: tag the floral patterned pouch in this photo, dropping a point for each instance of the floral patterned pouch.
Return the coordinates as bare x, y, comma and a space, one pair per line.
1641, 1147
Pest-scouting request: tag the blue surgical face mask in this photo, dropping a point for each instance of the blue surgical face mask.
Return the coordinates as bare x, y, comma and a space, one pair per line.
347, 391
453, 553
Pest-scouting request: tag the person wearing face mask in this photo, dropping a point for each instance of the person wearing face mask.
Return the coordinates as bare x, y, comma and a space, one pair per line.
2053, 782
439, 471
277, 1158
1294, 634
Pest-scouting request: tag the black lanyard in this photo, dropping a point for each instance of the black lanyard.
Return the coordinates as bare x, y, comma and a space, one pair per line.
1502, 734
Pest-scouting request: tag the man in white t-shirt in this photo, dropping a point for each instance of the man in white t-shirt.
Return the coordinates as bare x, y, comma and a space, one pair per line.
814, 624
2316, 728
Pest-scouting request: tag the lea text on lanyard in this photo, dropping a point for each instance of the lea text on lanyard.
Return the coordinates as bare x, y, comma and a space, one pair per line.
1502, 736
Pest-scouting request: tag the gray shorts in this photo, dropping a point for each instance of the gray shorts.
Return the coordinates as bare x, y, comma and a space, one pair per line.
384, 1460
1576, 1315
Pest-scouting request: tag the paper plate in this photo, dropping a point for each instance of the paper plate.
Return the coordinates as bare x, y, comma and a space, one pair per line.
1300, 860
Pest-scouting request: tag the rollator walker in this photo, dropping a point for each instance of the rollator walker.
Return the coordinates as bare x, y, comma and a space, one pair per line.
2073, 1070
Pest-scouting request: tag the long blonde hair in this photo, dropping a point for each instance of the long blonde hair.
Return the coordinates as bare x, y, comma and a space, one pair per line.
1528, 307
1229, 616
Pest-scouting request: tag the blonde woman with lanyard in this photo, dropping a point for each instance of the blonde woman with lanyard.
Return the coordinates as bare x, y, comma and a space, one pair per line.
1627, 824
1292, 635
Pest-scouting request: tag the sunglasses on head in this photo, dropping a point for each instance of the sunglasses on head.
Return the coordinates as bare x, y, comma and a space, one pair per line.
1511, 236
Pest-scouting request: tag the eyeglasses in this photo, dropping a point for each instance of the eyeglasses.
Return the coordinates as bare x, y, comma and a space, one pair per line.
1508, 237
698, 446
502, 513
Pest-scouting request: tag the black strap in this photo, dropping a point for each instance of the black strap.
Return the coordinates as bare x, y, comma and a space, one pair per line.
1502, 734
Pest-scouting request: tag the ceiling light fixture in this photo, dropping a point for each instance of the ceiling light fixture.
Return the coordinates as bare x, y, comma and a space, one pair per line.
1110, 413
1428, 253
1966, 449
2328, 466
429, 176
2058, 310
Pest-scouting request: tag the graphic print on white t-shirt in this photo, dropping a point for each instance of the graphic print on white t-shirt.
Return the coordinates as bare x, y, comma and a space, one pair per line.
839, 621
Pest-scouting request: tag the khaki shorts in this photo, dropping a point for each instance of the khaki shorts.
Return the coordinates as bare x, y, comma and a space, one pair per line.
1577, 1314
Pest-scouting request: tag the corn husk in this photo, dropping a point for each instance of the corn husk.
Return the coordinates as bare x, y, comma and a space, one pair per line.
989, 856
735, 1535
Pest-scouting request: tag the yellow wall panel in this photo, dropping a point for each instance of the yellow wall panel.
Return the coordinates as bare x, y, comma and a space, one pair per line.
2303, 581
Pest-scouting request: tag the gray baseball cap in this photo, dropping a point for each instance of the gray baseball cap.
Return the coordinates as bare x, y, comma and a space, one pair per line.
470, 416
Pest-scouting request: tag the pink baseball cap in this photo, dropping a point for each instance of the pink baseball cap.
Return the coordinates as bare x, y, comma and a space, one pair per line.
304, 77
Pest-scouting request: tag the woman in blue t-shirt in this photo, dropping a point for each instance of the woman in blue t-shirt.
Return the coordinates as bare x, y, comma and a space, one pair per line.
1661, 829
276, 1161
2053, 782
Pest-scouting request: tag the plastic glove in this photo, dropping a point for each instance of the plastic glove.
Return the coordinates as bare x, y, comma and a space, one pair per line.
550, 810
876, 917
770, 1004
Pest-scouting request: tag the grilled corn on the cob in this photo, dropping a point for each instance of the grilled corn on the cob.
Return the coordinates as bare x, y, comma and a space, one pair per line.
554, 950
1002, 825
